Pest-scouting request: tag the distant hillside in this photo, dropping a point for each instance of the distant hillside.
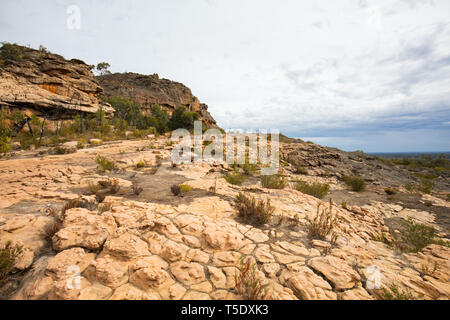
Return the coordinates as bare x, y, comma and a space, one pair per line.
148, 90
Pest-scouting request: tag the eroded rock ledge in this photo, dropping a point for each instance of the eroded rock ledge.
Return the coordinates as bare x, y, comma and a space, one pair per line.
46, 83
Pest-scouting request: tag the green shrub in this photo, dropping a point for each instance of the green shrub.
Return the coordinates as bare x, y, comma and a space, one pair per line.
393, 292
140, 165
185, 188
356, 183
273, 182
11, 51
104, 164
235, 178
250, 169
8, 256
254, 211
415, 236
448, 197
4, 145
316, 189
426, 185
410, 186
181, 118
390, 191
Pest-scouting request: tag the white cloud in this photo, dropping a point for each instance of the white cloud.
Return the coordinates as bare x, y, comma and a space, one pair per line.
302, 67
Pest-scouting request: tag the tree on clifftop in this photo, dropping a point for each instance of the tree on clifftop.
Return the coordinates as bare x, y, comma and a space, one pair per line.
102, 68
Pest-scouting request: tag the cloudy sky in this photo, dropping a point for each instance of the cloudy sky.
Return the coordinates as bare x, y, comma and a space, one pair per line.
354, 74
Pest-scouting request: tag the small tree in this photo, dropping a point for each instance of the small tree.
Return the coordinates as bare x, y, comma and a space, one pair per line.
102, 68
181, 118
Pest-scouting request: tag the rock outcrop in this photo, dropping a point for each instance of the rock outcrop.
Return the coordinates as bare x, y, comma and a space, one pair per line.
159, 246
148, 90
48, 85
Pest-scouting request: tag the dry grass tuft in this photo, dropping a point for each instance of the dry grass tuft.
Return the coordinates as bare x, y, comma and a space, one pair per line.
254, 211
324, 222
247, 283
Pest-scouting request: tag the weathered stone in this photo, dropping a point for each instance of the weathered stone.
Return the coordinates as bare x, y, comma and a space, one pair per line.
309, 286
50, 83
68, 262
356, 294
226, 258
195, 295
223, 239
95, 292
217, 277
337, 271
109, 271
126, 245
148, 273
174, 251
188, 273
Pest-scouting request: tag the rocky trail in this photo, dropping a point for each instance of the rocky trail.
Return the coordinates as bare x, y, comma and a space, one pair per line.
154, 245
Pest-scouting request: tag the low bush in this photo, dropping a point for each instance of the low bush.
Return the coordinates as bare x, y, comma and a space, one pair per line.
273, 182
104, 164
356, 183
185, 188
393, 292
8, 256
390, 191
140, 165
426, 185
316, 189
5, 145
415, 236
235, 178
176, 190
254, 211
301, 170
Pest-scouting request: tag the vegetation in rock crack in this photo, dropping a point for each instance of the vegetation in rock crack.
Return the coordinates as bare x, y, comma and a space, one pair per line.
235, 178
185, 188
301, 170
140, 165
390, 191
137, 190
394, 292
113, 185
257, 212
104, 164
273, 181
315, 189
323, 223
248, 285
8, 256
51, 229
93, 188
176, 190
77, 203
356, 183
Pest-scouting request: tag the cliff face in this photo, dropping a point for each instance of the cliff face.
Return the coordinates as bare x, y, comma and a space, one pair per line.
150, 89
49, 85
